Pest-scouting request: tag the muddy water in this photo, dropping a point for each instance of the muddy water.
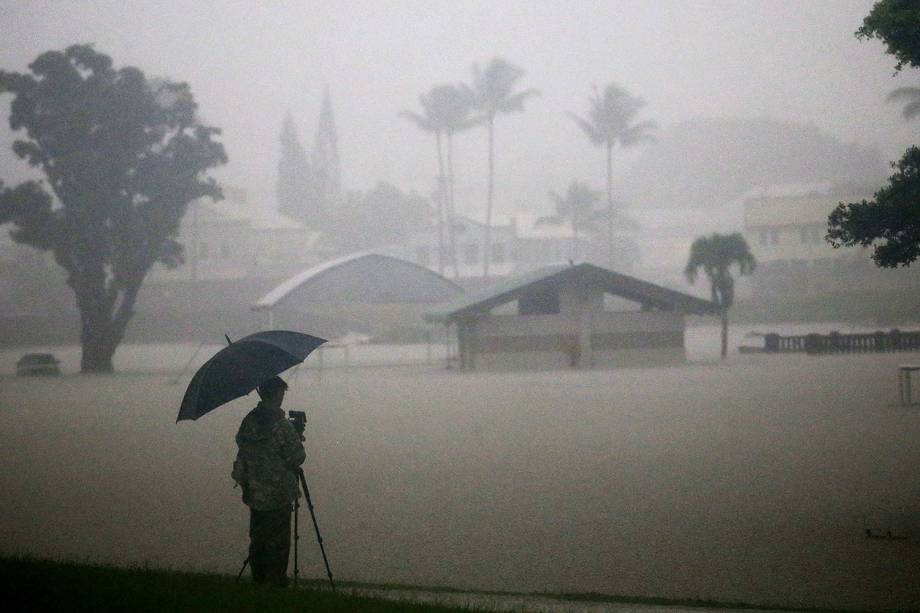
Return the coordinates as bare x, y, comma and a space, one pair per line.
751, 481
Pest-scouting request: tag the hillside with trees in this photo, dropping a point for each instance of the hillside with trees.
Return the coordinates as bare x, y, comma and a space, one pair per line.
708, 162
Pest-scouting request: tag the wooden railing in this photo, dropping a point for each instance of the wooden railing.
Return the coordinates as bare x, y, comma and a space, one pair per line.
871, 342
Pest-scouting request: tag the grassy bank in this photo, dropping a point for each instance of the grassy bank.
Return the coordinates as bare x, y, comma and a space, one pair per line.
45, 585
42, 585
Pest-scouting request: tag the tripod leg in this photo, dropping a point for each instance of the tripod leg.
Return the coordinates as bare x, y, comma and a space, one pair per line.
240, 576
296, 538
306, 493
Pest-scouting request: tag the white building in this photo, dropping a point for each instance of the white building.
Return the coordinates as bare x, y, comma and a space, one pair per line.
519, 243
232, 239
786, 235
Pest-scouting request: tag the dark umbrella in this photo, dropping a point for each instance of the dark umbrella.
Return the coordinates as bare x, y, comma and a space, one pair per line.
242, 366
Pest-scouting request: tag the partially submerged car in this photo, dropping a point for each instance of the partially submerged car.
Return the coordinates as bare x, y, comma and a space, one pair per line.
38, 364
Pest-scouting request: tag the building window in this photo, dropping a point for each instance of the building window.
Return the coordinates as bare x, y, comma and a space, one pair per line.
498, 253
422, 256
471, 253
539, 302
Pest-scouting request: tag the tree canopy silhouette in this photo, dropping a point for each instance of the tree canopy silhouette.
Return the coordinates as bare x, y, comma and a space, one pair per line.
446, 111
610, 121
493, 94
890, 222
715, 255
895, 23
122, 156
294, 189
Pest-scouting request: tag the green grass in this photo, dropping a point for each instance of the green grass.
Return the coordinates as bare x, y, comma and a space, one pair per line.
42, 585
45, 585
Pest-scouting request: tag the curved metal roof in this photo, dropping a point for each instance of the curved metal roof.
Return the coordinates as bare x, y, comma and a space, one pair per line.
364, 277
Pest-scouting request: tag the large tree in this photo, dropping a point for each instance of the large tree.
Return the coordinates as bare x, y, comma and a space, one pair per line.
294, 189
446, 110
891, 221
493, 94
611, 121
122, 157
715, 255
895, 23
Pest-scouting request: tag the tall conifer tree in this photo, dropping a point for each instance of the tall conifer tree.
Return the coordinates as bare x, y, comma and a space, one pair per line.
294, 188
327, 173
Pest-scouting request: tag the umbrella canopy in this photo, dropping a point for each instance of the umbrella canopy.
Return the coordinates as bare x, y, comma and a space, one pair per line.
242, 366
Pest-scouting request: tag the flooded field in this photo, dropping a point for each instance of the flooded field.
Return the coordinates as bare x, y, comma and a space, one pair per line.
753, 480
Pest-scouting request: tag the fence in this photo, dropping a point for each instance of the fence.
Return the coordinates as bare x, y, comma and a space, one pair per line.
872, 342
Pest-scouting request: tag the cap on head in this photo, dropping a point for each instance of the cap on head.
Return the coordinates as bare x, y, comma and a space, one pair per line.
271, 388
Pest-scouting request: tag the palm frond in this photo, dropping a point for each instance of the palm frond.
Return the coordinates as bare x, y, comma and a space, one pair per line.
912, 110
422, 122
902, 93
716, 254
639, 133
911, 95
515, 103
593, 134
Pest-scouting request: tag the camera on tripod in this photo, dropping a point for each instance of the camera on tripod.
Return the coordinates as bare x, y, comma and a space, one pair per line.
299, 420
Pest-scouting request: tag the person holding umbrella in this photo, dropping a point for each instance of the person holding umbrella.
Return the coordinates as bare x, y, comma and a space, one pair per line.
270, 446
266, 468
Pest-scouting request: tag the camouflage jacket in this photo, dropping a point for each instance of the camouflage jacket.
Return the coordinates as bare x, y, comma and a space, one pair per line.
270, 451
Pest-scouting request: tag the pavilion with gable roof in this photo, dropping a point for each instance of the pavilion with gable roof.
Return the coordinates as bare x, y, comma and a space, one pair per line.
577, 315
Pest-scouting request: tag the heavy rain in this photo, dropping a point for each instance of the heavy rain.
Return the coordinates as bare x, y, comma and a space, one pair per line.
610, 305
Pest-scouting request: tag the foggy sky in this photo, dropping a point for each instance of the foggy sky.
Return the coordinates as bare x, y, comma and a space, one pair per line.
248, 63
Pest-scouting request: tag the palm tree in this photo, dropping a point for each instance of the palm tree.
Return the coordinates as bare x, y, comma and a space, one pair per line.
445, 111
715, 255
578, 207
610, 121
427, 121
493, 94
912, 96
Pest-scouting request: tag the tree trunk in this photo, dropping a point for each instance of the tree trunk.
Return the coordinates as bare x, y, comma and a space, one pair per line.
724, 316
610, 205
574, 241
488, 247
101, 329
440, 206
97, 347
450, 204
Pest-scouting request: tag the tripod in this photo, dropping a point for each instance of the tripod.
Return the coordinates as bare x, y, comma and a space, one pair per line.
319, 537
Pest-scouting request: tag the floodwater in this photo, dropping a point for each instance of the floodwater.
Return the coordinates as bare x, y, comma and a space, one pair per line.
752, 480
701, 344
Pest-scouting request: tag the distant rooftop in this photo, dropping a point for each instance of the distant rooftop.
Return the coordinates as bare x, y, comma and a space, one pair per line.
614, 283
